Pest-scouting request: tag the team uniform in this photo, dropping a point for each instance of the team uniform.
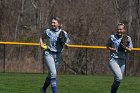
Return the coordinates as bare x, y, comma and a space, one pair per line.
52, 55
117, 59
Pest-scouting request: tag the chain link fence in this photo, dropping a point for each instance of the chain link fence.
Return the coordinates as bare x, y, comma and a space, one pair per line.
29, 59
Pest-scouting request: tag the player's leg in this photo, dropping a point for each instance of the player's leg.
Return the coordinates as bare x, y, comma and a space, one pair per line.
57, 60
50, 61
46, 83
47, 58
118, 78
116, 70
122, 65
51, 79
53, 68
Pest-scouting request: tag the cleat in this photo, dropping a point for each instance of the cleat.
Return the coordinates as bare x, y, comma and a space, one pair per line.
42, 90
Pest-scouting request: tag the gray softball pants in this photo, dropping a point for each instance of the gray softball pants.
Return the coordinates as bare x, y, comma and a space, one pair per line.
117, 67
52, 61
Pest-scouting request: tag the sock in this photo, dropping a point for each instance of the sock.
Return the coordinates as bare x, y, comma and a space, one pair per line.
46, 84
115, 86
53, 84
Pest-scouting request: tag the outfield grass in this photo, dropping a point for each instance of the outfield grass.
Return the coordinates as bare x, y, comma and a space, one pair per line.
31, 83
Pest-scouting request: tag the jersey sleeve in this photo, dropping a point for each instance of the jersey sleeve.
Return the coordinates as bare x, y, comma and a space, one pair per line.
44, 34
109, 42
67, 38
130, 45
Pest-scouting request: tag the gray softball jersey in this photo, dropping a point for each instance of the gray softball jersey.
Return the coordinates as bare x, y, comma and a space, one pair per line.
51, 39
119, 53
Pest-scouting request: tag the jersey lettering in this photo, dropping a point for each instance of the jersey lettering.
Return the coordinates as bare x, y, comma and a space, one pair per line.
52, 38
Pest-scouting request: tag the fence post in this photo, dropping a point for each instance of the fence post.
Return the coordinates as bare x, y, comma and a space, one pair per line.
4, 58
86, 62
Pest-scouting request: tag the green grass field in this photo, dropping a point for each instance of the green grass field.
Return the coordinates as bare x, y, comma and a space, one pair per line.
31, 83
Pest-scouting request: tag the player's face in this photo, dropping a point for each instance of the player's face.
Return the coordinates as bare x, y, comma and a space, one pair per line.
120, 30
55, 24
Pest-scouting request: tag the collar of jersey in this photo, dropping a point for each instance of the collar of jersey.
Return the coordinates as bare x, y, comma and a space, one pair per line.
56, 30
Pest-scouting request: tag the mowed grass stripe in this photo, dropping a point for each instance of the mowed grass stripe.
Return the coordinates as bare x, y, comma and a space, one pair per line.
31, 83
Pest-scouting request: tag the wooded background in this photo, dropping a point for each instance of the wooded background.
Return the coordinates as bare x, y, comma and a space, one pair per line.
88, 22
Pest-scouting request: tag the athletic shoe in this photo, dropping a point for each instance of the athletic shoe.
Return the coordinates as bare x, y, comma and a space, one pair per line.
42, 90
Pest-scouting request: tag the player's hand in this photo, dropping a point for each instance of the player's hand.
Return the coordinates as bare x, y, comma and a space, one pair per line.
126, 48
111, 49
44, 47
123, 45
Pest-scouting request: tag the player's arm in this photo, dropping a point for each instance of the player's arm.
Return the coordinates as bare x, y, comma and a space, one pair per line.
42, 45
109, 45
130, 45
63, 39
128, 49
41, 42
111, 49
67, 41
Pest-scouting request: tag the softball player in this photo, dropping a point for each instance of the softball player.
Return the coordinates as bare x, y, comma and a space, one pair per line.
52, 42
119, 45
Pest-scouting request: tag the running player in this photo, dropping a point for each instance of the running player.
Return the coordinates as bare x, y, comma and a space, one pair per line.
119, 45
52, 42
